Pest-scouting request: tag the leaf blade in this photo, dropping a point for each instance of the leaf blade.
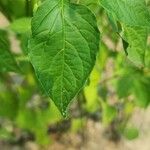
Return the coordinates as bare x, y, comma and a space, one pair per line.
129, 12
135, 20
7, 61
68, 44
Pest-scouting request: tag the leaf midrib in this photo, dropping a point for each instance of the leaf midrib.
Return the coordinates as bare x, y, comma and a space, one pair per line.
63, 34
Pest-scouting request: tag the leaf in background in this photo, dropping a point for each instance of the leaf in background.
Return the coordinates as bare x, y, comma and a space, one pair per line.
134, 16
124, 85
142, 91
8, 100
109, 113
136, 37
131, 133
77, 125
128, 12
91, 92
129, 108
13, 8
63, 48
8, 105
115, 25
20, 26
7, 61
24, 39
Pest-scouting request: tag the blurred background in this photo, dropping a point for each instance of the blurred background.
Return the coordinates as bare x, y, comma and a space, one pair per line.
110, 113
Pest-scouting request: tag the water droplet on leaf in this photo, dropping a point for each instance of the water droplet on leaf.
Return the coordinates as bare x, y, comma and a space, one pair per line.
64, 113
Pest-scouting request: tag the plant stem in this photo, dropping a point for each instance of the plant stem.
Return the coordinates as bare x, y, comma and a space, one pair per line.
29, 8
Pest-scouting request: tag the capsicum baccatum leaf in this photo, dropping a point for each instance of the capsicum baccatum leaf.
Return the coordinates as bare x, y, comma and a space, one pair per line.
134, 17
63, 48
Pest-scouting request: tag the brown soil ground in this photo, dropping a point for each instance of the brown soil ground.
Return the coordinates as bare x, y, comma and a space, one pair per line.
95, 139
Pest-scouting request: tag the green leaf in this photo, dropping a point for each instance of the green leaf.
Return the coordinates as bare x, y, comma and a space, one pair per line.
113, 22
7, 61
142, 90
90, 91
136, 37
63, 48
77, 125
109, 113
13, 8
134, 17
124, 86
9, 105
22, 25
131, 133
8, 100
128, 12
